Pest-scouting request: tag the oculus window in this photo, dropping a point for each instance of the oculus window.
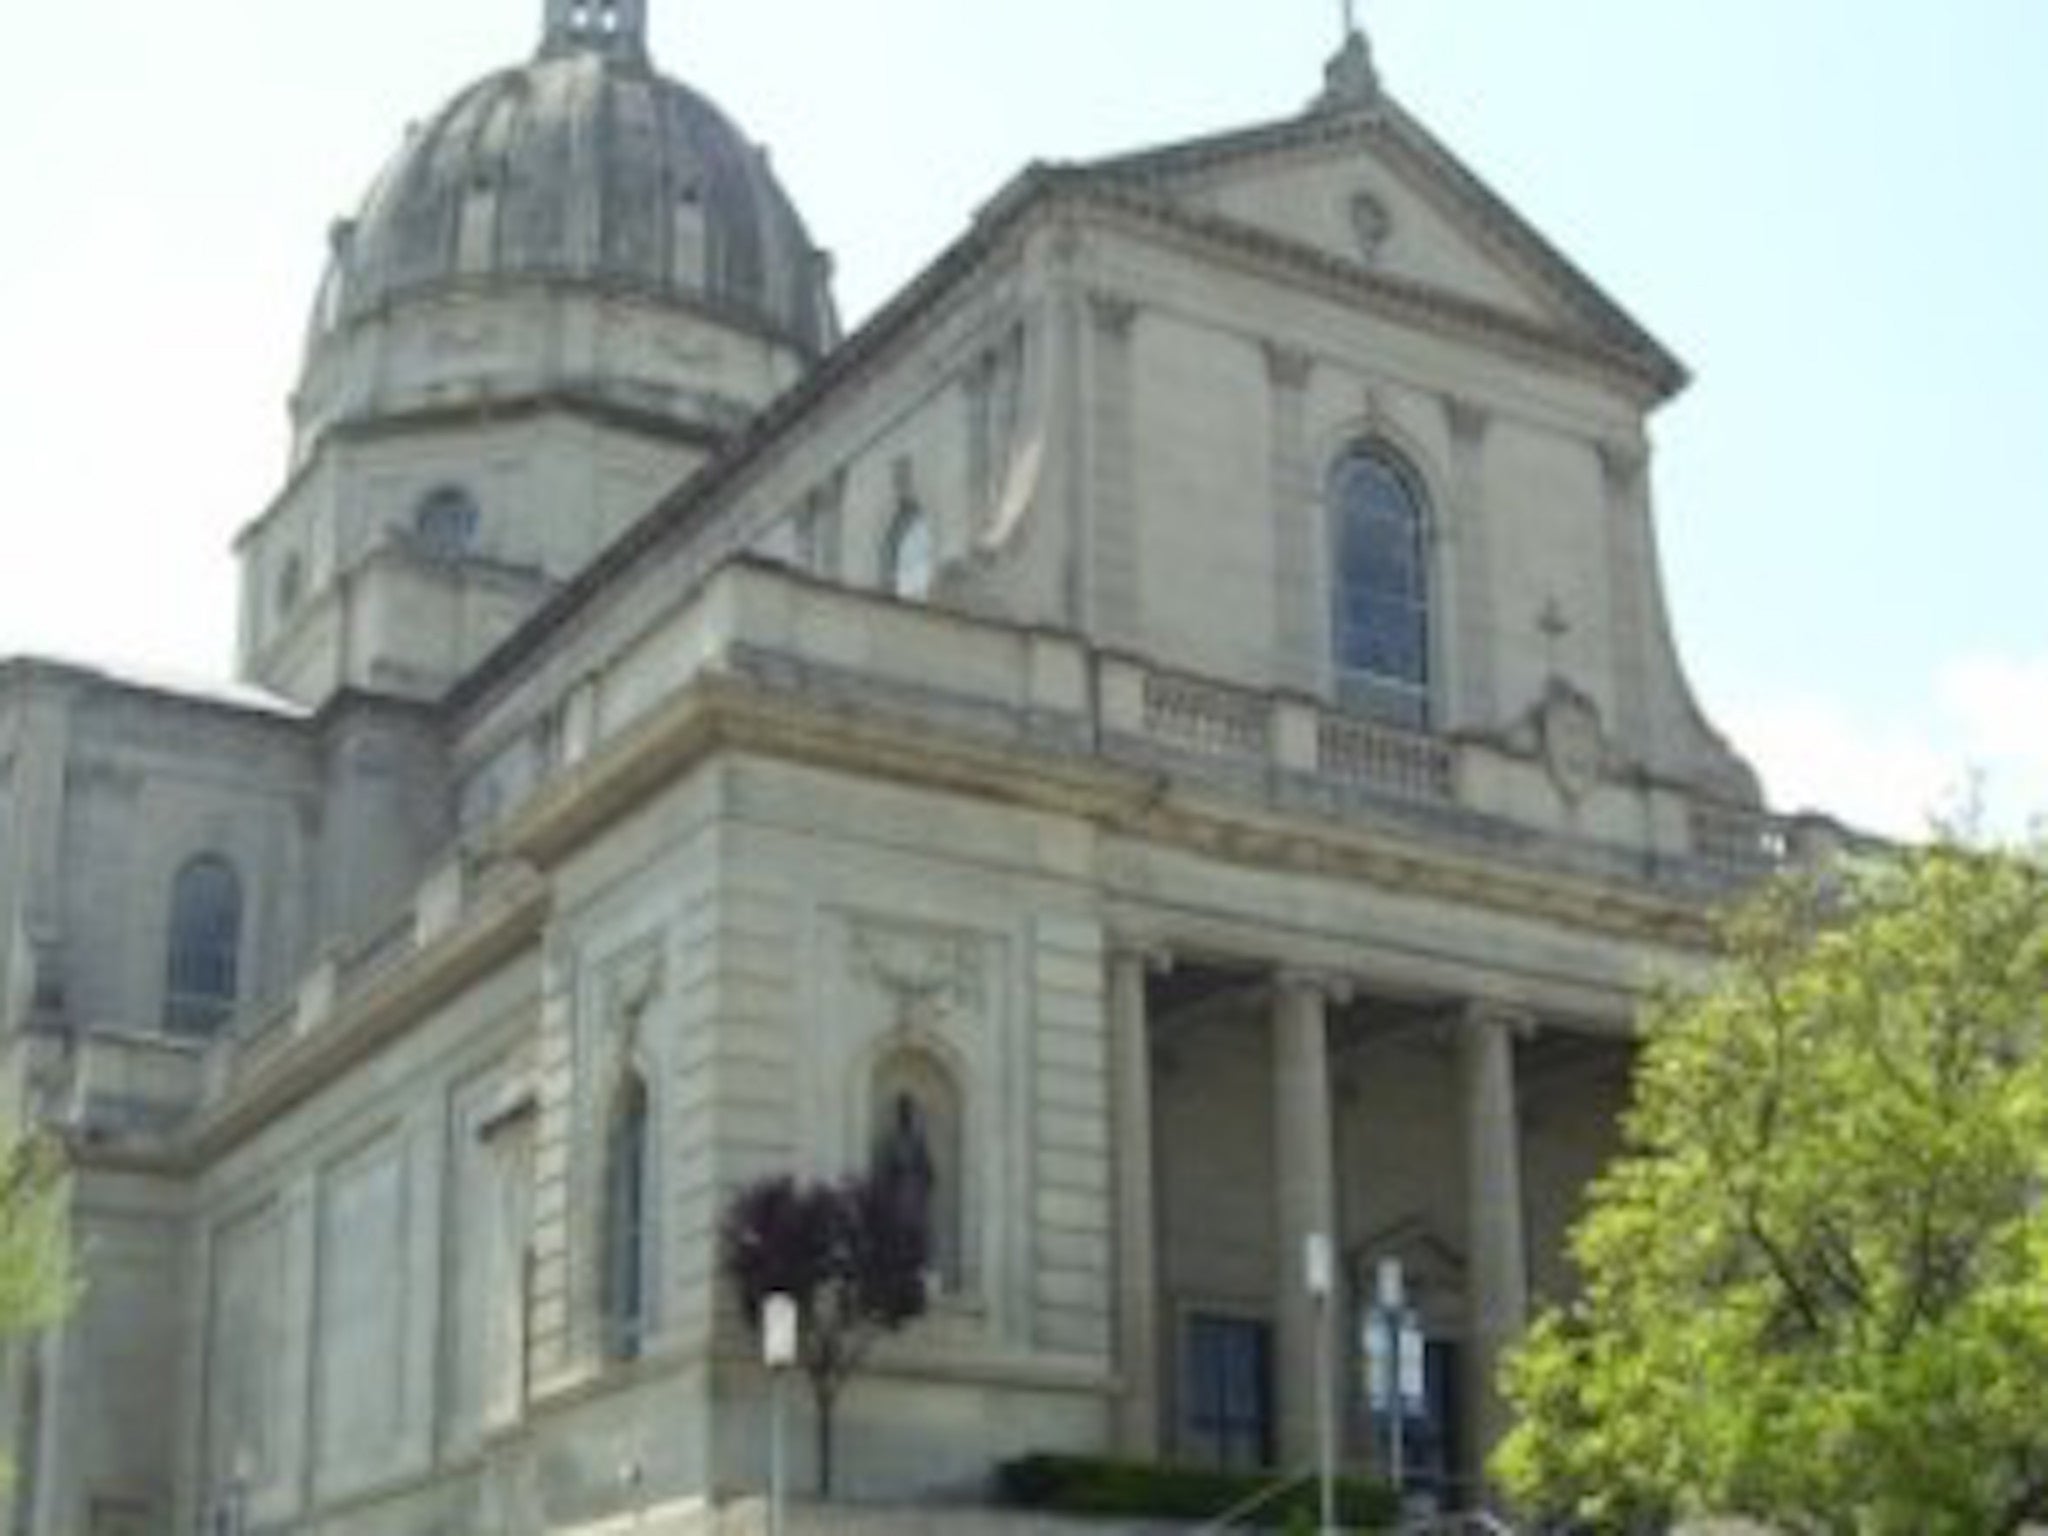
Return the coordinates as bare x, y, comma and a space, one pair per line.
1380, 622
444, 524
204, 946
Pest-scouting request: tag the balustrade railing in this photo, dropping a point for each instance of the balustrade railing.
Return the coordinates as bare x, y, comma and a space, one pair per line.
1207, 717
1405, 762
1241, 725
1738, 839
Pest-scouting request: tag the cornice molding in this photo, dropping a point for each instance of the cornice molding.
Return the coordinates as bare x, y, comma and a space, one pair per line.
507, 918
736, 714
1434, 172
721, 714
1397, 298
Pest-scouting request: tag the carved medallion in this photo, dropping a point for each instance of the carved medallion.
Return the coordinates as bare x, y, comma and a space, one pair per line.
1574, 745
1371, 225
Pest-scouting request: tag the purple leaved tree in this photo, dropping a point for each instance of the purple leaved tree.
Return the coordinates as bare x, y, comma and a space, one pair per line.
852, 1256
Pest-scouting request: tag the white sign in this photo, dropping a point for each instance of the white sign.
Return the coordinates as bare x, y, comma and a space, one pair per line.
1318, 1265
778, 1331
1379, 1363
1414, 1390
1393, 1286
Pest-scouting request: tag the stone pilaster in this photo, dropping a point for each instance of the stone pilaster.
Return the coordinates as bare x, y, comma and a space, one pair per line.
1137, 1251
31, 858
1304, 1202
1474, 700
1632, 587
1300, 583
552, 1294
1114, 582
1496, 1255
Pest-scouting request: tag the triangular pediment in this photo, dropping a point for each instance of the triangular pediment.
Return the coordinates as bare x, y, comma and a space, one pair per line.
1370, 187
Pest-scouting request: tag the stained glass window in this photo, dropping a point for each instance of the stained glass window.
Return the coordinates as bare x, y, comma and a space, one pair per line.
625, 1221
1380, 609
204, 944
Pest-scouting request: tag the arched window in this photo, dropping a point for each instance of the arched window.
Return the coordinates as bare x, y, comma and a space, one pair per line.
915, 1113
623, 1240
1380, 598
201, 970
907, 554
444, 523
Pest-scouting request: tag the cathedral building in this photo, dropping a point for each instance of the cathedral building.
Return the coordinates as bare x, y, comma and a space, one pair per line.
1180, 705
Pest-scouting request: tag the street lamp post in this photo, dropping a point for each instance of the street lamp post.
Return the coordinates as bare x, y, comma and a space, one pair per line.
1399, 1373
778, 1353
1320, 1268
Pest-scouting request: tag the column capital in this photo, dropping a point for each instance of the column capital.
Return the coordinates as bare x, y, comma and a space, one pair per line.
1514, 1019
1156, 959
1332, 986
1114, 313
1288, 367
1467, 419
1623, 463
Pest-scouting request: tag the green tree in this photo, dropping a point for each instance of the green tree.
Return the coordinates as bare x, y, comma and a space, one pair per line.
1816, 1281
36, 1280
852, 1257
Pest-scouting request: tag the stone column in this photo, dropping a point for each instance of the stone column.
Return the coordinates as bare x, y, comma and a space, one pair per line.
1497, 1278
1137, 1254
1304, 1202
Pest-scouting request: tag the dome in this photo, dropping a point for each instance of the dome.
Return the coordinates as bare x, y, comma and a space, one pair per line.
585, 167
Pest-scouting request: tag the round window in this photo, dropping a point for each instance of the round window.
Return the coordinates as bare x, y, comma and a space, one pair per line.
445, 522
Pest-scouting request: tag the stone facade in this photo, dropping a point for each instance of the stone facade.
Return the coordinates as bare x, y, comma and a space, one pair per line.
619, 788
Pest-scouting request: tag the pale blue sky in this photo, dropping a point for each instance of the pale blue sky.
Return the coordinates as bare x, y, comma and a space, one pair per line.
1836, 212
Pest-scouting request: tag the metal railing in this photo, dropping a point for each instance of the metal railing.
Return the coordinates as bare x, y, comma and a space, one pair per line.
1471, 1522
1246, 1507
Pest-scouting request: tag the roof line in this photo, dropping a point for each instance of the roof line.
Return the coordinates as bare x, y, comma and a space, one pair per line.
684, 506
1387, 117
693, 501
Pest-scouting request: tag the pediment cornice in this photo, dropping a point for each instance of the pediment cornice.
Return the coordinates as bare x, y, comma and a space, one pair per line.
1435, 173
1397, 298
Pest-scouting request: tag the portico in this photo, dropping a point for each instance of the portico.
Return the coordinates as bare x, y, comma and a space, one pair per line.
1257, 1104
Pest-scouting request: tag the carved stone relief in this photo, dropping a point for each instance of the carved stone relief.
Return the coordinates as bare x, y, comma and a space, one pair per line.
1372, 225
1573, 742
928, 975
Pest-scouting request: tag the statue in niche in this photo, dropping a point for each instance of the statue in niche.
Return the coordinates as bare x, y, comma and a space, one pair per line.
904, 1164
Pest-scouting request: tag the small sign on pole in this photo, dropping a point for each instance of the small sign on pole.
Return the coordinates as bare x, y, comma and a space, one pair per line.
1318, 1265
1412, 1372
1392, 1285
778, 1332
778, 1353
